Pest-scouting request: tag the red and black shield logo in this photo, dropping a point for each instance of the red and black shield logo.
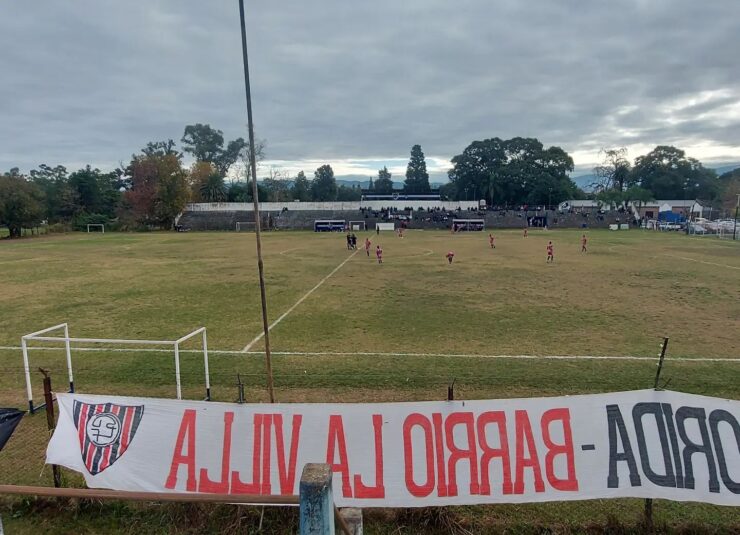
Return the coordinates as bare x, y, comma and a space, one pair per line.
106, 431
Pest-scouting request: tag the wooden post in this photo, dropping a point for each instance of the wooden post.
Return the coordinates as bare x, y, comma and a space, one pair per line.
648, 501
352, 517
49, 400
240, 387
255, 200
317, 504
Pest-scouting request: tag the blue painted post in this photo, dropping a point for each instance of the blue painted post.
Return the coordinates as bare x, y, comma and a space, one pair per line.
317, 503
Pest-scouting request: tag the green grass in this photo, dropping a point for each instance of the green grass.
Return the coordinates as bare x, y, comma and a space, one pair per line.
620, 299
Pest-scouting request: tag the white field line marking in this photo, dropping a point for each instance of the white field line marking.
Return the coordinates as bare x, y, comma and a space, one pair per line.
291, 309
380, 354
700, 261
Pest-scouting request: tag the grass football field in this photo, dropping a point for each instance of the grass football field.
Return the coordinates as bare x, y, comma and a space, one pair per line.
351, 330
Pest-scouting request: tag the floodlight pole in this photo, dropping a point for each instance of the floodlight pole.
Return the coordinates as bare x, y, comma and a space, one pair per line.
255, 199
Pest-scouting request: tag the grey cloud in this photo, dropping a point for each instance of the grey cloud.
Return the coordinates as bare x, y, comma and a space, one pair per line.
94, 80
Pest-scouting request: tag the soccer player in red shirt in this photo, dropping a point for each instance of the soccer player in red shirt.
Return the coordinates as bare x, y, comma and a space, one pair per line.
584, 241
450, 255
379, 254
367, 246
491, 240
550, 255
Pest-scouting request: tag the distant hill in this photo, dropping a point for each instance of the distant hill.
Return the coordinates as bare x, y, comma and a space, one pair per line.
725, 167
584, 181
436, 180
440, 179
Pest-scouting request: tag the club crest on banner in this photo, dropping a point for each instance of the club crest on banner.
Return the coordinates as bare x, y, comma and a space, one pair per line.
105, 432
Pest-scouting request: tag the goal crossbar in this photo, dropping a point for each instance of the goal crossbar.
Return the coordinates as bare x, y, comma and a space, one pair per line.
101, 225
245, 225
38, 336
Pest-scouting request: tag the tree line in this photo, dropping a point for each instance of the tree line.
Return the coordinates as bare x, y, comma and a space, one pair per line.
664, 173
154, 186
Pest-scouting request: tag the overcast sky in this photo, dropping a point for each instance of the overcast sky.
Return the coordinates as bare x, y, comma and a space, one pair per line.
356, 84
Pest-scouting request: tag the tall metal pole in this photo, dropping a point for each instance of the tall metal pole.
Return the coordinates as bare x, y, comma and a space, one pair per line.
258, 234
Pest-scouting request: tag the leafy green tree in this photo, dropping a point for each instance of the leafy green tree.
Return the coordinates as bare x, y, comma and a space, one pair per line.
477, 167
96, 192
239, 191
417, 178
348, 194
512, 172
172, 192
730, 189
301, 188
21, 203
213, 188
206, 144
384, 184
448, 192
638, 195
324, 185
50, 174
610, 198
59, 200
669, 174
161, 148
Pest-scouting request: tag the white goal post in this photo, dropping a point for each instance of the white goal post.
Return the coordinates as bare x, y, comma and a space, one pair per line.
385, 226
38, 336
468, 224
96, 225
248, 226
357, 225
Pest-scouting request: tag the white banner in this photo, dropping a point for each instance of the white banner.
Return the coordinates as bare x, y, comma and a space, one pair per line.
644, 444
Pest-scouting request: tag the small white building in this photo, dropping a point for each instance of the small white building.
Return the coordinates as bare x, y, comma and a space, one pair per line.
648, 210
651, 209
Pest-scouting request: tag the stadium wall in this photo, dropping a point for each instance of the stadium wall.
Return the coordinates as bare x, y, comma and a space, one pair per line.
329, 206
304, 219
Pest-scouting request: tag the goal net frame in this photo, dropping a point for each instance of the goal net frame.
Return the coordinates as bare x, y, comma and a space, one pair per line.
334, 225
360, 225
385, 226
466, 225
101, 225
246, 226
721, 228
44, 336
